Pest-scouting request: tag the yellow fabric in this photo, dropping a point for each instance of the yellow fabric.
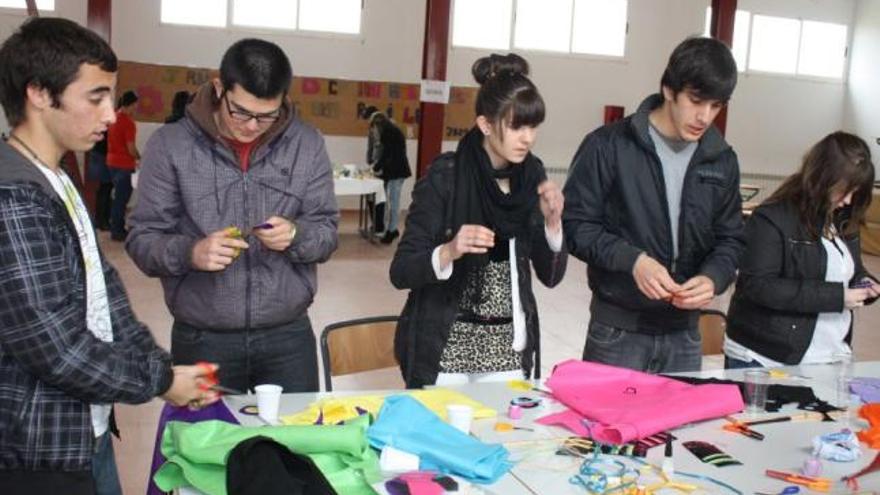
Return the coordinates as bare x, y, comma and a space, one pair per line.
336, 409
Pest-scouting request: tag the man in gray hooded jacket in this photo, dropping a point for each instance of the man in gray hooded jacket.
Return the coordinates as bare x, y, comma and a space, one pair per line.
236, 208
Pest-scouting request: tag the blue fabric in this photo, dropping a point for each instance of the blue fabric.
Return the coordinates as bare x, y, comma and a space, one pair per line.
104, 467
406, 424
97, 169
676, 351
392, 191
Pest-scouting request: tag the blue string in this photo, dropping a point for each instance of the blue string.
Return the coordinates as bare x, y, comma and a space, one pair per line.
595, 473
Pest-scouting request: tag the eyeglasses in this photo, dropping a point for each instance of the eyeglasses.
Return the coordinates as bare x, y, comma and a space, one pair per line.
245, 116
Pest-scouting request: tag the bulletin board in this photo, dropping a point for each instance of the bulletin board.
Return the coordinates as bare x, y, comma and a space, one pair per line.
332, 105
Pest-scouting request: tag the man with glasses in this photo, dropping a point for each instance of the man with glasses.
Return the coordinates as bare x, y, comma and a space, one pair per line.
236, 209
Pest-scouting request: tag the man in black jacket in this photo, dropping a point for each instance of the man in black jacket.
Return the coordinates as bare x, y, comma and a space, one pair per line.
653, 208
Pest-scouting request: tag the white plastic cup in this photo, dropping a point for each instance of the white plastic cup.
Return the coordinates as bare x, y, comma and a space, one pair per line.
268, 400
460, 416
756, 382
393, 460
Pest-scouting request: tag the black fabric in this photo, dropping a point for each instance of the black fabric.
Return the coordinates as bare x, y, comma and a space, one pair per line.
39, 482
262, 466
781, 288
777, 395
616, 208
479, 200
432, 304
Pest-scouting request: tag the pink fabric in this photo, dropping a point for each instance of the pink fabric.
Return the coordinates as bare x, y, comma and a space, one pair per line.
624, 405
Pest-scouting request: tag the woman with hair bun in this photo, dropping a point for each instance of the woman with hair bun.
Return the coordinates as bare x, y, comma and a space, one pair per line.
477, 219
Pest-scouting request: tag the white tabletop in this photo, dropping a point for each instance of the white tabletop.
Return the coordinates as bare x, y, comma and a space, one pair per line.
539, 470
349, 186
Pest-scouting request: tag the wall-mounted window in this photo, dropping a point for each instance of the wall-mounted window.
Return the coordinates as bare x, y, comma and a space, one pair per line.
823, 49
332, 16
42, 5
595, 27
211, 13
599, 27
774, 44
741, 26
783, 45
482, 24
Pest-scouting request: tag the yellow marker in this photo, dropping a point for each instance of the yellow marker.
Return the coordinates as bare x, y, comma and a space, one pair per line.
235, 233
519, 385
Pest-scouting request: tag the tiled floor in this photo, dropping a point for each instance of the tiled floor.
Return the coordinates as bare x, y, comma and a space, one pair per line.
354, 284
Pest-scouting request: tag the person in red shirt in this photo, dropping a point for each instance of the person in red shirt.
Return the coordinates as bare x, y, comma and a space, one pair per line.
122, 159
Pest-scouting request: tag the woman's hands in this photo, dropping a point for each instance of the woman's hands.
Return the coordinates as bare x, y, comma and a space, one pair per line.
469, 239
552, 202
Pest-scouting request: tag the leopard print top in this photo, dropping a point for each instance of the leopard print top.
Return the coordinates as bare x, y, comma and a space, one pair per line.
480, 347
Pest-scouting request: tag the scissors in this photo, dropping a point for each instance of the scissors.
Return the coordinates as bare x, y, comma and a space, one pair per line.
742, 428
212, 383
789, 490
818, 484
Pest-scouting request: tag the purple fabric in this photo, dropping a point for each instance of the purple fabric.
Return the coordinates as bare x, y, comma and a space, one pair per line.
868, 389
217, 410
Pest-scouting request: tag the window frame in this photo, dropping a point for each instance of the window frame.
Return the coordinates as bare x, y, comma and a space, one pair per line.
748, 71
269, 30
18, 11
569, 54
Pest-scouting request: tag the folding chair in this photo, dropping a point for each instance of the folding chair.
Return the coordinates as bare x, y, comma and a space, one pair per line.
358, 345
713, 325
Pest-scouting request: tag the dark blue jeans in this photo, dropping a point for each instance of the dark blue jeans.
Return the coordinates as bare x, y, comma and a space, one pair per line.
122, 193
285, 355
665, 353
104, 467
738, 364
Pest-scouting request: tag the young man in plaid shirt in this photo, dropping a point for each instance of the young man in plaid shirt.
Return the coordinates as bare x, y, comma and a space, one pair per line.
70, 345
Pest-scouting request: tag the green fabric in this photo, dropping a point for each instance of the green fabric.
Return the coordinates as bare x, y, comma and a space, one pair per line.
197, 453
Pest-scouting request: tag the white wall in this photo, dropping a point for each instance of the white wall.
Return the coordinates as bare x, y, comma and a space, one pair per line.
10, 19
389, 49
772, 120
863, 97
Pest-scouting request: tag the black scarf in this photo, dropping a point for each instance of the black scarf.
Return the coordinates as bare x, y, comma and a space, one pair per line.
479, 201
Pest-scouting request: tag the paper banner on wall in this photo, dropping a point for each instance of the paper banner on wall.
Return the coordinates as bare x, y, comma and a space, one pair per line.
334, 106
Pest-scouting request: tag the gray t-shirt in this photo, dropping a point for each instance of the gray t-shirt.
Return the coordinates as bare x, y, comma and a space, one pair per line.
675, 155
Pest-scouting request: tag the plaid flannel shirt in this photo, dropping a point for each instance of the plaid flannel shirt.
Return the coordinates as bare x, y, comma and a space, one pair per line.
51, 366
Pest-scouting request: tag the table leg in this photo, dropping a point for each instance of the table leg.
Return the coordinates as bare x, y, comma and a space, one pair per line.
366, 223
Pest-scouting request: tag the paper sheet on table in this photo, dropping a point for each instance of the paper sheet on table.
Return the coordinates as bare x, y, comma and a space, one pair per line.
332, 410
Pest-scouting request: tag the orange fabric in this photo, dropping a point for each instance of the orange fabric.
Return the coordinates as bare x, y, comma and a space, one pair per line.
871, 436
122, 132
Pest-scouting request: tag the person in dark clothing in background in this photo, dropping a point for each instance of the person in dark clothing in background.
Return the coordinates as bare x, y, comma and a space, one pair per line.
178, 106
386, 154
97, 171
653, 208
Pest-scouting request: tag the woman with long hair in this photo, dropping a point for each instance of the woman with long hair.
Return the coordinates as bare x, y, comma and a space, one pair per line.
802, 273
477, 219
